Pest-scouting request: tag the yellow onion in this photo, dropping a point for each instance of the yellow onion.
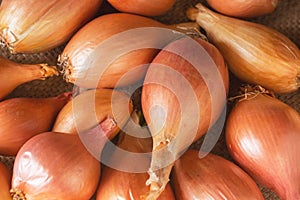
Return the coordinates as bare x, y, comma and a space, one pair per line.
143, 7
244, 8
37, 26
263, 137
183, 94
125, 179
211, 177
255, 53
112, 46
56, 166
5, 179
91, 107
22, 118
13, 74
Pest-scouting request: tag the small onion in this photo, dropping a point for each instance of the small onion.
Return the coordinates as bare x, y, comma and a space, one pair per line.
86, 110
244, 8
112, 46
211, 177
37, 26
13, 74
22, 118
143, 7
263, 136
251, 48
173, 91
56, 166
5, 179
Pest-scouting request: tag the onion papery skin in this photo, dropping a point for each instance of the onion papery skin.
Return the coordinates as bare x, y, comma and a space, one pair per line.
251, 48
143, 7
5, 180
54, 166
13, 74
88, 61
211, 177
156, 91
23, 118
86, 110
263, 137
244, 8
38, 26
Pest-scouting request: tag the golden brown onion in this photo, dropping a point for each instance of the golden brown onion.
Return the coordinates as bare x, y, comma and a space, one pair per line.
211, 177
86, 110
37, 26
22, 118
244, 8
255, 53
180, 102
143, 7
13, 74
55, 166
263, 136
112, 46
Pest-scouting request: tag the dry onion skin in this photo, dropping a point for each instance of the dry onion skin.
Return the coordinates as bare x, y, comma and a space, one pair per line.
171, 83
119, 184
263, 137
143, 7
13, 74
255, 53
211, 177
37, 26
244, 8
92, 107
23, 118
55, 166
5, 180
99, 54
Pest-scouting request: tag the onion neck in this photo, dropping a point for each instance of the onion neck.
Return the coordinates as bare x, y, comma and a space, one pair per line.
17, 194
36, 72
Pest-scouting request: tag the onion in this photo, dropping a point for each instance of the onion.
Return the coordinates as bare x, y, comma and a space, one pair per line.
143, 7
184, 93
91, 107
57, 166
112, 46
123, 178
244, 8
263, 136
22, 118
250, 49
13, 74
5, 179
38, 26
211, 177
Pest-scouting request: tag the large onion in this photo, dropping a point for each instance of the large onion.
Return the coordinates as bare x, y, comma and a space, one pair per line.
112, 46
22, 118
91, 107
37, 26
13, 74
251, 48
180, 102
5, 179
56, 166
263, 136
211, 177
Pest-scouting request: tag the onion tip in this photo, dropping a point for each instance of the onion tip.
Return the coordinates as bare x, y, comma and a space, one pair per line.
49, 71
